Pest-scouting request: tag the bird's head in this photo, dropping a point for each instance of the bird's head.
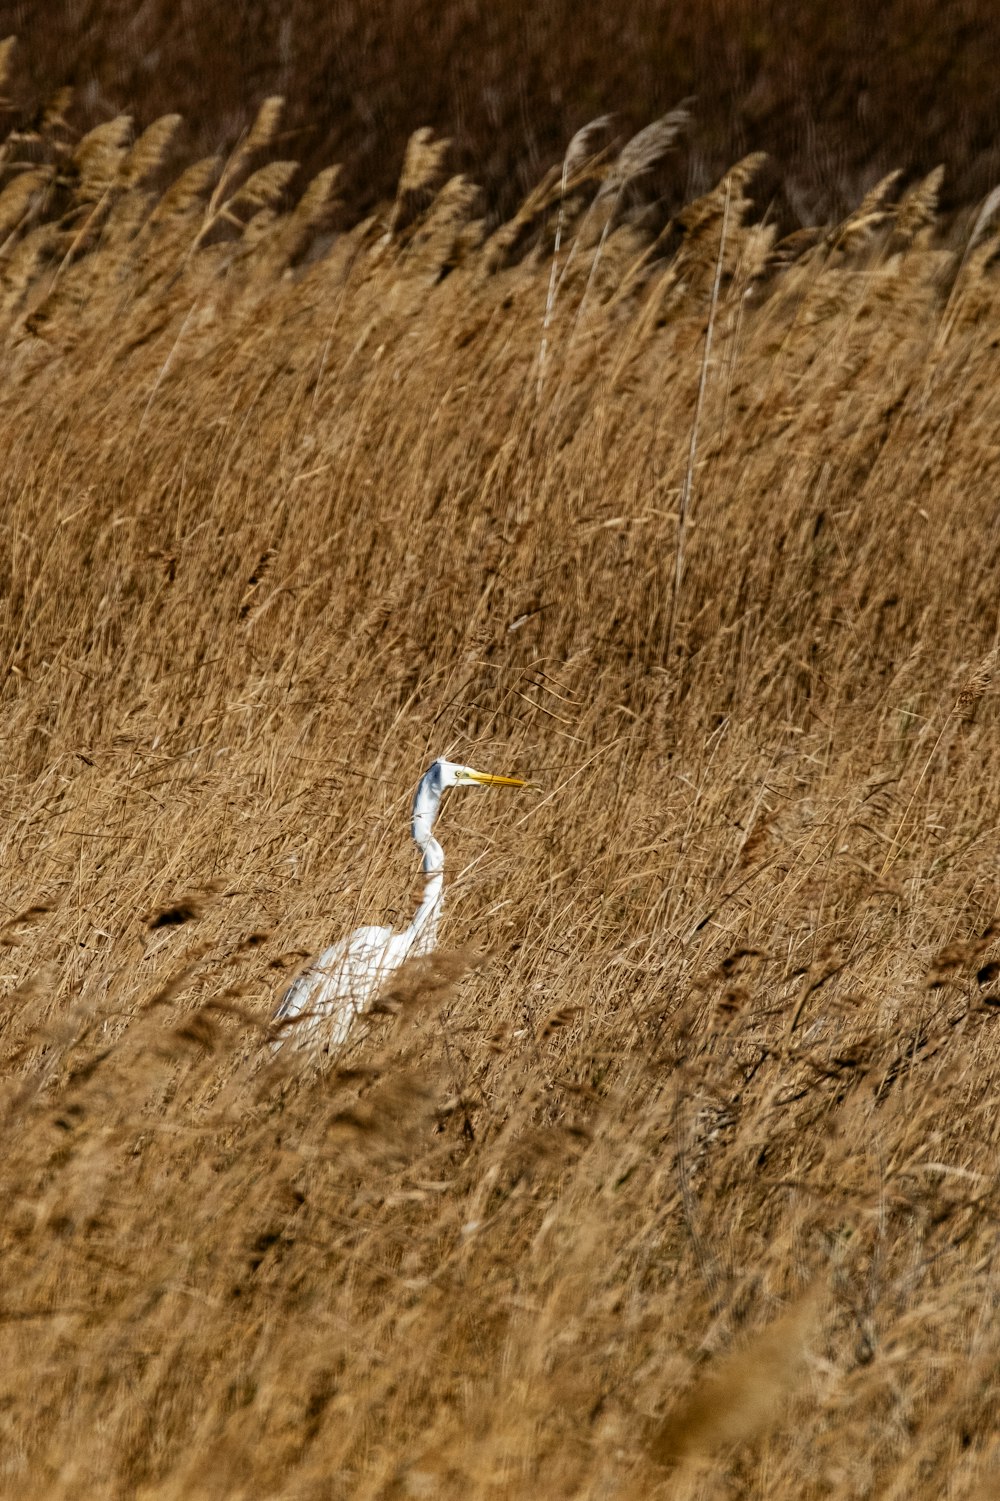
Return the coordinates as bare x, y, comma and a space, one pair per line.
451, 774
436, 778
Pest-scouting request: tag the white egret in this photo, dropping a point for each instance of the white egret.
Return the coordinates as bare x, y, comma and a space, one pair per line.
344, 980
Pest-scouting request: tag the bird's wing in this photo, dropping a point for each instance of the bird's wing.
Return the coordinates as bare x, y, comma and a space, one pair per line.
294, 999
342, 979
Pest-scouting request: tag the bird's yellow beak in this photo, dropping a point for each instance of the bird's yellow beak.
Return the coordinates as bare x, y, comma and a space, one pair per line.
486, 780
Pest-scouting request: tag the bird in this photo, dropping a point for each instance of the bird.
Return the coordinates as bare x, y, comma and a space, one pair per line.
319, 1008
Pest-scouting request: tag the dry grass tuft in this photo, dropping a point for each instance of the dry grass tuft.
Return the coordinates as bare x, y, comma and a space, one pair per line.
977, 684
743, 1397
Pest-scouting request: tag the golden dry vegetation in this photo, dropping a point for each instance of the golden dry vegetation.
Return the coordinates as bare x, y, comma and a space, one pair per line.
837, 94
674, 1174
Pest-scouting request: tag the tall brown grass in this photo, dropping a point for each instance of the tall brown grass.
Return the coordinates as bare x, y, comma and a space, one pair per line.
836, 94
675, 1174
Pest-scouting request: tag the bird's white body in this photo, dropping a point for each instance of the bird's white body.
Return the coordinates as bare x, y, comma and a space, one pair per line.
319, 1009
339, 984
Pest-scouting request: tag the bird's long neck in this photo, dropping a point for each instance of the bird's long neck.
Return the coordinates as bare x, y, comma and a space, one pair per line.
422, 931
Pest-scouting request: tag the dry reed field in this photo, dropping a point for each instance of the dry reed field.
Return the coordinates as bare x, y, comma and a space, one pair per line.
673, 1173
837, 94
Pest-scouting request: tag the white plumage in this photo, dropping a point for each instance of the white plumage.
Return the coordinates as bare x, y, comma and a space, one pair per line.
319, 1009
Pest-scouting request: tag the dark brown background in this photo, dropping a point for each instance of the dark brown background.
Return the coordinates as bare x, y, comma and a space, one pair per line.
835, 91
